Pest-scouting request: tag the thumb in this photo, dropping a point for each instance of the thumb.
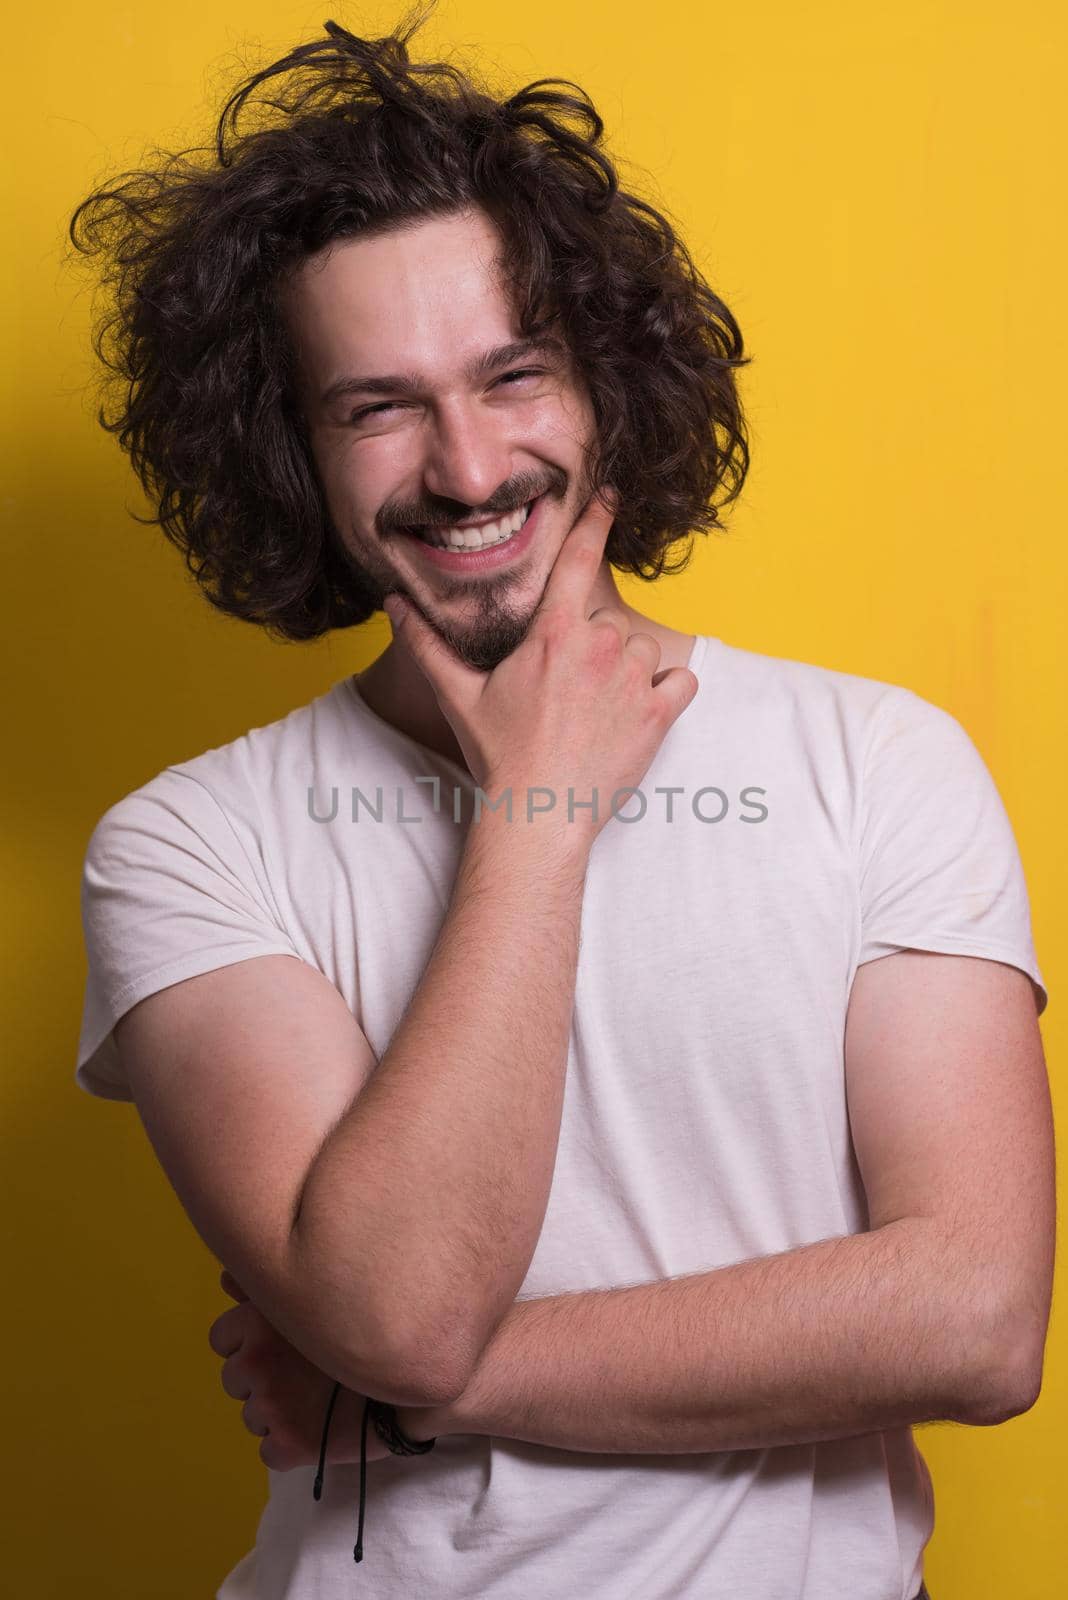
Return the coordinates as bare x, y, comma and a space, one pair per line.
449, 675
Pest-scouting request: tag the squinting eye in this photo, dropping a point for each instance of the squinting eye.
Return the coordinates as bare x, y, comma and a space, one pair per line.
390, 405
369, 411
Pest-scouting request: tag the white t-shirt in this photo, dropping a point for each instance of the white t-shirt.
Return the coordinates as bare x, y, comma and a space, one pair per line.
821, 820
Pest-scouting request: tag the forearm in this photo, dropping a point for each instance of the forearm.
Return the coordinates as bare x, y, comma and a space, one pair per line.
426, 1202
846, 1336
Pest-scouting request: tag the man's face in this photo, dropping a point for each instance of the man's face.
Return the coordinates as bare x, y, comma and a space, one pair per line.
450, 445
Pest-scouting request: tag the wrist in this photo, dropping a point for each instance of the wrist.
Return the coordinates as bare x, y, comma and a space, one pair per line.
537, 841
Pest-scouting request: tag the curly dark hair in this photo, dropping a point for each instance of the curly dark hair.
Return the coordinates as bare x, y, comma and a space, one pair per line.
196, 254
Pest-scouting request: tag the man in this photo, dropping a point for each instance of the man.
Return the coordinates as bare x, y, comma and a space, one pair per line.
663, 1147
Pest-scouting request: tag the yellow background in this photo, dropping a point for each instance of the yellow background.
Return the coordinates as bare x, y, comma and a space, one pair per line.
877, 192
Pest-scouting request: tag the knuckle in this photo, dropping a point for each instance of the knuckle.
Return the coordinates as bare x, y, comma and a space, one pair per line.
604, 645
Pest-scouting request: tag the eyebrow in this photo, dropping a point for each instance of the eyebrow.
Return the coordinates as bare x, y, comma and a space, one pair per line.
409, 383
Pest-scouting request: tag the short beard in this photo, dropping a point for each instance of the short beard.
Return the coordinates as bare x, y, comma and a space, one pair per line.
484, 644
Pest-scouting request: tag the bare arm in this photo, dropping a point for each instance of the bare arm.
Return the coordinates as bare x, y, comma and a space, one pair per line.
847, 1336
382, 1215
432, 1189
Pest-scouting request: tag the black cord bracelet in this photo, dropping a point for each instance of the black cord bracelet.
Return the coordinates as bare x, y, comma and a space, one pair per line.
388, 1429
392, 1436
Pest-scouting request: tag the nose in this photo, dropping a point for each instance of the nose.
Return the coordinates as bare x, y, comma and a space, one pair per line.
469, 454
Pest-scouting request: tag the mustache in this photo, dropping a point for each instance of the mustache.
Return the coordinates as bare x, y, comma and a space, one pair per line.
435, 517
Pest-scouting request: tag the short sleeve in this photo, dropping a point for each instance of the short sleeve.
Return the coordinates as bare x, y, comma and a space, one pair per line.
939, 866
169, 890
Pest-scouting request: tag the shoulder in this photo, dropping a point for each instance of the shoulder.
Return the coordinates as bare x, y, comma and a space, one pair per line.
811, 697
234, 785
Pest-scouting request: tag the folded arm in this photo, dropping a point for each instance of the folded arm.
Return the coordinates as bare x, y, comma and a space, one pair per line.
842, 1337
939, 1312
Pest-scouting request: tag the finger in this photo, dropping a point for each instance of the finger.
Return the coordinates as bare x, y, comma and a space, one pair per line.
226, 1333
277, 1461
647, 649
235, 1379
642, 646
253, 1418
610, 618
677, 687
613, 615
450, 676
579, 558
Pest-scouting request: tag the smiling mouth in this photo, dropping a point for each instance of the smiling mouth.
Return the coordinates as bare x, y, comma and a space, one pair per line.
485, 537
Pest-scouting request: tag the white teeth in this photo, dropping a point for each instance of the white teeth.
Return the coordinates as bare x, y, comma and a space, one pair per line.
478, 538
